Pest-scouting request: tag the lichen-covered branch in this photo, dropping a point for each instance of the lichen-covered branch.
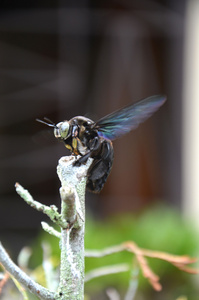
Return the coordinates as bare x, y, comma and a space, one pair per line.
50, 230
23, 278
72, 223
51, 211
71, 220
68, 204
73, 185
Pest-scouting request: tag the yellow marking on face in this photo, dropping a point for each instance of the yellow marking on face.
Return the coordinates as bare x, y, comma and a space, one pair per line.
74, 144
69, 147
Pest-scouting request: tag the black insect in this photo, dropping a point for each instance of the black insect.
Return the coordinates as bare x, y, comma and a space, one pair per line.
87, 138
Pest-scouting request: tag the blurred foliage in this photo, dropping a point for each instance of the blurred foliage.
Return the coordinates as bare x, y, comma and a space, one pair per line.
159, 228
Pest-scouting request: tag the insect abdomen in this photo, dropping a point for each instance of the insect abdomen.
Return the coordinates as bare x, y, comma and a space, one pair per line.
101, 167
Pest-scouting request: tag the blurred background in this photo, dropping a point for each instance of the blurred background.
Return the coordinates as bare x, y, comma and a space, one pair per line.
60, 59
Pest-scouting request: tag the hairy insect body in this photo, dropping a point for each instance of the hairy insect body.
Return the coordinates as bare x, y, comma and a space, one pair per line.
84, 140
87, 138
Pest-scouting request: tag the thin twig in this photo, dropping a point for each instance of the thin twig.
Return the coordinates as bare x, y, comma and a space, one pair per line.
20, 288
178, 261
50, 230
112, 294
133, 283
105, 252
113, 269
50, 211
50, 273
24, 257
23, 278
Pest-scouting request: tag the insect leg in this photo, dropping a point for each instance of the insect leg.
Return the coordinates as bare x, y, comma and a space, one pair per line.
93, 145
82, 159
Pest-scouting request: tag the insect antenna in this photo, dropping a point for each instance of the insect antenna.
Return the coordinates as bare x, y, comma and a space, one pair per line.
50, 124
49, 121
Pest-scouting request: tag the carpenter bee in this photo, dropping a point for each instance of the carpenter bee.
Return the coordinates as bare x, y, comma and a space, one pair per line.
87, 138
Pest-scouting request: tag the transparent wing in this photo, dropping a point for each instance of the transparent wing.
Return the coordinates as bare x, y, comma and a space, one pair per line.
128, 118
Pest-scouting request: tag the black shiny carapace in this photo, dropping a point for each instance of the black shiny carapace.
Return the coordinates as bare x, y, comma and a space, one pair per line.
87, 138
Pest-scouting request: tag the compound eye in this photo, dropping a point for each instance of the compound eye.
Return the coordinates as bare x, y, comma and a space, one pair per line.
61, 130
64, 129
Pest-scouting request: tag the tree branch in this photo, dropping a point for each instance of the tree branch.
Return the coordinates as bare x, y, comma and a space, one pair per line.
50, 230
23, 278
106, 251
107, 270
178, 261
50, 211
73, 180
71, 220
